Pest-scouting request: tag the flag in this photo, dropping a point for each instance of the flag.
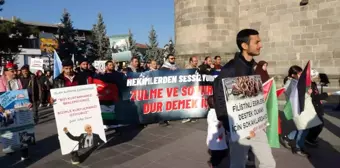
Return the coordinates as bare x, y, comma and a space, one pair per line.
269, 89
297, 94
305, 81
57, 67
279, 92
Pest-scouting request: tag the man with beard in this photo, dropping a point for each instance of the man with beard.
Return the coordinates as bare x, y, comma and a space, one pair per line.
207, 67
30, 82
249, 43
83, 71
170, 63
193, 63
134, 65
68, 79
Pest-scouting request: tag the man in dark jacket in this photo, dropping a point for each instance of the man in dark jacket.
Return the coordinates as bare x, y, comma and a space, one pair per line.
68, 79
249, 43
30, 82
207, 67
85, 140
83, 70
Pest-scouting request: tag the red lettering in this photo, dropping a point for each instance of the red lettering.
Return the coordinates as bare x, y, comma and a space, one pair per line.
168, 106
175, 93
169, 91
153, 107
184, 91
204, 103
133, 95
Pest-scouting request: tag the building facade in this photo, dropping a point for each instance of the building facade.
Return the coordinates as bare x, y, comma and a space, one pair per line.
291, 34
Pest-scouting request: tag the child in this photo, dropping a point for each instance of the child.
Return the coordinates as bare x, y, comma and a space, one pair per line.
216, 138
311, 138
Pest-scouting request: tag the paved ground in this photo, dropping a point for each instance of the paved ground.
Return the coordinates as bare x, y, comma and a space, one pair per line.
177, 146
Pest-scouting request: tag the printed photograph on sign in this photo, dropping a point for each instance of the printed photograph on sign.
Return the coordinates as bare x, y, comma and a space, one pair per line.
243, 87
245, 105
78, 118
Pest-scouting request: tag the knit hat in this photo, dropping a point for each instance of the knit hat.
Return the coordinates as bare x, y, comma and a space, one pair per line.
9, 66
82, 60
67, 63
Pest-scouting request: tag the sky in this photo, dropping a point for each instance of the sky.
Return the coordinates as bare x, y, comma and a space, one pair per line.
119, 15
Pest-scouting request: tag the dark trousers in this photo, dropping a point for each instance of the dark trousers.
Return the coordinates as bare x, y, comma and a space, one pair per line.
217, 156
315, 131
24, 152
44, 97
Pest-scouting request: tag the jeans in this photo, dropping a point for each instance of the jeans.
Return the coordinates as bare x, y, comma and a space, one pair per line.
299, 136
260, 147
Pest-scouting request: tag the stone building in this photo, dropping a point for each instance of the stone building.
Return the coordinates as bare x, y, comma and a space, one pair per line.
291, 34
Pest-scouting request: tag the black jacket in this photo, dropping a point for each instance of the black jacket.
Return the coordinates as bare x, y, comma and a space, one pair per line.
81, 139
234, 68
316, 99
84, 74
33, 87
205, 69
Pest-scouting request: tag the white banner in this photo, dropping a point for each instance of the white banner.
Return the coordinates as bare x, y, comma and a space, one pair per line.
36, 64
100, 65
78, 117
245, 105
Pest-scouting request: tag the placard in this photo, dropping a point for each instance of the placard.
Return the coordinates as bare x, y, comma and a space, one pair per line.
78, 117
16, 121
245, 105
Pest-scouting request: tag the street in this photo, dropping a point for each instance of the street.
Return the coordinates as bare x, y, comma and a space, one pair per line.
175, 146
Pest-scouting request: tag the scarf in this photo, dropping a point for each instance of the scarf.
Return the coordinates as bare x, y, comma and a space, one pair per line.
168, 65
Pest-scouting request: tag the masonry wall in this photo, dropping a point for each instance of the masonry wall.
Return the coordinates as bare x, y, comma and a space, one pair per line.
291, 34
205, 27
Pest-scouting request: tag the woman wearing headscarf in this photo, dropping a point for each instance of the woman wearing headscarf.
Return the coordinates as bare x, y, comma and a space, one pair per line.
261, 69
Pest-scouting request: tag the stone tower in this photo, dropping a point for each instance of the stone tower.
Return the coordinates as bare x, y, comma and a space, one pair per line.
291, 35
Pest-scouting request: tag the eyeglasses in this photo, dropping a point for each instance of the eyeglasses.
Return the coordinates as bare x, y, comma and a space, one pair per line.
172, 58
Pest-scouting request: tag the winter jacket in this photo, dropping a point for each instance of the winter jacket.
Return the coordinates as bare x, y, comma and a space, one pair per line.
168, 66
33, 87
59, 82
206, 69
316, 99
234, 68
3, 84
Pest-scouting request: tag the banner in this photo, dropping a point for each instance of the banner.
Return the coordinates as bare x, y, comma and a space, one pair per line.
99, 65
36, 64
16, 121
154, 96
245, 105
78, 117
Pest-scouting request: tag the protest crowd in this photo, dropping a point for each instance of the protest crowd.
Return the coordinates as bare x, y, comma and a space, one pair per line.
239, 138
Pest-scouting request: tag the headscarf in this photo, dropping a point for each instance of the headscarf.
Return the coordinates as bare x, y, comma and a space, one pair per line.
259, 71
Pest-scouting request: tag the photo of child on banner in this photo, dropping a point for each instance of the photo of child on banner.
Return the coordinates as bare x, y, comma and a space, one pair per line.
245, 104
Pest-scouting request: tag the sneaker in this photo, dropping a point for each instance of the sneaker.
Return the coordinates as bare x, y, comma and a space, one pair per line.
40, 105
75, 160
24, 158
311, 143
186, 120
164, 123
301, 152
193, 120
286, 142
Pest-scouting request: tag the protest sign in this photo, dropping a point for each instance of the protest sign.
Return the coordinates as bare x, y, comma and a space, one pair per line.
153, 96
99, 65
78, 117
245, 105
16, 121
36, 64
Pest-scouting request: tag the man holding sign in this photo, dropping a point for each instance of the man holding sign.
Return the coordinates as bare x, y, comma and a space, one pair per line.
249, 43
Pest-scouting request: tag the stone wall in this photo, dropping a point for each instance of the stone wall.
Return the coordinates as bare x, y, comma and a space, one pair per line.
291, 34
206, 27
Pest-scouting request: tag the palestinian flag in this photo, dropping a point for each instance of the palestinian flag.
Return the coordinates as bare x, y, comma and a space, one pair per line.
270, 94
297, 92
